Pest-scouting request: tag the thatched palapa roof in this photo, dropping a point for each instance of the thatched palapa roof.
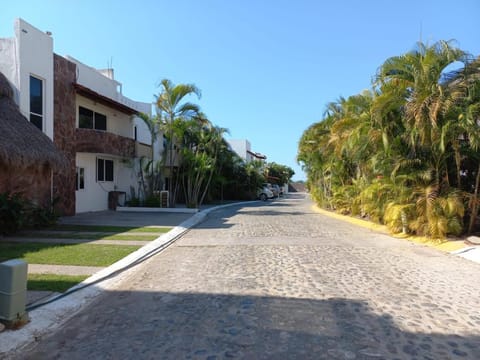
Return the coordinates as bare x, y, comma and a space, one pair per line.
21, 143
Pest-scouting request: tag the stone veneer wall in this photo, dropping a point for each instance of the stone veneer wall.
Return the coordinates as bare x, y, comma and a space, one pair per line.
64, 132
32, 182
94, 141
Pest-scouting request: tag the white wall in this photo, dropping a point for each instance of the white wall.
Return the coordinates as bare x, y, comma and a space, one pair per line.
143, 134
35, 52
95, 195
240, 146
30, 52
95, 80
102, 82
8, 63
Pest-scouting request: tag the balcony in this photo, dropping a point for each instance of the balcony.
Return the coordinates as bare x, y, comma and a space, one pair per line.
95, 141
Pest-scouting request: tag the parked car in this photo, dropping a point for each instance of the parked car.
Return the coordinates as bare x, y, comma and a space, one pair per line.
277, 190
264, 193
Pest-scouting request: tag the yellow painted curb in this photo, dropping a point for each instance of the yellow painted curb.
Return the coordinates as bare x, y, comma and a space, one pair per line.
446, 245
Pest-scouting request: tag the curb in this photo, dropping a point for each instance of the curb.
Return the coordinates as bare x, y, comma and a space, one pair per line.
47, 318
157, 210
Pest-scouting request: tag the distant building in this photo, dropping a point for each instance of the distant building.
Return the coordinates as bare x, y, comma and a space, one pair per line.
243, 149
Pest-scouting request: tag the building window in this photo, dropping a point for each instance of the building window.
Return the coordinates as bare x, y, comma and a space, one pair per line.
88, 119
36, 102
104, 170
135, 133
80, 179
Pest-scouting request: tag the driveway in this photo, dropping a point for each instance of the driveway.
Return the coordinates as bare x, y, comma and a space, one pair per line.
116, 218
278, 281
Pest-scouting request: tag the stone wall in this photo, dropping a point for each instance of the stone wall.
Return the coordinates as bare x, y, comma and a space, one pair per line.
64, 132
32, 183
94, 141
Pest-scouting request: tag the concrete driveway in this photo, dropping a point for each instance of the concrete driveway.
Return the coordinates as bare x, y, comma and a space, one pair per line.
116, 218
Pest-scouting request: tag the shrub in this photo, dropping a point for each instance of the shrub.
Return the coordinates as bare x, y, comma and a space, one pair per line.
133, 202
38, 217
12, 208
152, 201
17, 213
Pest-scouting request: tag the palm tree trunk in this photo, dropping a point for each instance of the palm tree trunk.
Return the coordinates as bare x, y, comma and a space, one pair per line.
172, 185
474, 211
457, 163
205, 190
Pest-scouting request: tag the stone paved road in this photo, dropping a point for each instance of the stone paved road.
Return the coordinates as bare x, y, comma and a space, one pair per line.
278, 281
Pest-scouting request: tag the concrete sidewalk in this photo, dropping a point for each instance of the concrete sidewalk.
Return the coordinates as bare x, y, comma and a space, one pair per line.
104, 218
114, 218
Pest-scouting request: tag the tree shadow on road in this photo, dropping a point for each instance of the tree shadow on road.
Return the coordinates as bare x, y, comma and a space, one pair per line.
168, 325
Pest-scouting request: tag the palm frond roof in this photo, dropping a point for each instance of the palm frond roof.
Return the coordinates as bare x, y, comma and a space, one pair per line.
21, 143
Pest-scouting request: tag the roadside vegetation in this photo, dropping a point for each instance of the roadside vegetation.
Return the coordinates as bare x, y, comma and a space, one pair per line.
197, 160
63, 254
405, 153
53, 282
110, 229
36, 247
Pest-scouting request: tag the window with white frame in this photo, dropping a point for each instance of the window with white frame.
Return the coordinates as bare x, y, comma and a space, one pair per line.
36, 102
80, 178
104, 169
89, 119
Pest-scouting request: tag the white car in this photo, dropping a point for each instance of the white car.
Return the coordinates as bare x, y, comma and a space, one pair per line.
265, 193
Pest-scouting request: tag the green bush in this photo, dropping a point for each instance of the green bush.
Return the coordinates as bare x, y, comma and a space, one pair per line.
38, 217
12, 209
17, 213
134, 202
152, 201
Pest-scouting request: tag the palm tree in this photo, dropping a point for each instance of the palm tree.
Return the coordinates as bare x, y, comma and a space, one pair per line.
467, 126
153, 124
174, 110
418, 79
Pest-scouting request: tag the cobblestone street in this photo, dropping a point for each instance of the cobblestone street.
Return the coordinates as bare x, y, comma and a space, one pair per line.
278, 281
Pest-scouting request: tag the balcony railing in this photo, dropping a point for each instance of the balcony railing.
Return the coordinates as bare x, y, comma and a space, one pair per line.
95, 141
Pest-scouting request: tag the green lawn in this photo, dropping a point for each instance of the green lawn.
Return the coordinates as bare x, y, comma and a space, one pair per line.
91, 236
52, 282
58, 254
106, 228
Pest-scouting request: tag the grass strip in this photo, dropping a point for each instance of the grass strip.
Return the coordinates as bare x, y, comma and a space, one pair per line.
63, 254
53, 282
108, 228
92, 236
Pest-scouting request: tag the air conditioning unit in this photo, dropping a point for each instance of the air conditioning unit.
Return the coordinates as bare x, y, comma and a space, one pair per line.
13, 291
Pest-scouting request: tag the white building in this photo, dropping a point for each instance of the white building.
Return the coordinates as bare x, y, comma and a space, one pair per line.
243, 148
83, 111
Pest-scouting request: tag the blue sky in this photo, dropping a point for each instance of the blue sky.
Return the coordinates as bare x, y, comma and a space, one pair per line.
266, 68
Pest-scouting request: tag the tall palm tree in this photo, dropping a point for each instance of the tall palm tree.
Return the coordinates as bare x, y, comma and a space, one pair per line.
173, 108
468, 114
418, 78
